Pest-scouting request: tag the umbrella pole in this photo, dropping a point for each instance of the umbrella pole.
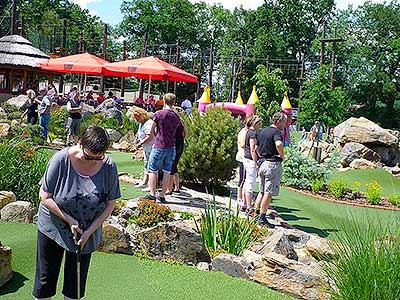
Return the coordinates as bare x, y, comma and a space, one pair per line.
84, 85
149, 88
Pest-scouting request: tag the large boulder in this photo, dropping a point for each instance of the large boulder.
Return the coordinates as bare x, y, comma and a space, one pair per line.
390, 156
306, 281
115, 239
233, 265
109, 109
5, 130
18, 102
364, 131
6, 197
277, 242
173, 240
361, 163
18, 211
320, 248
352, 151
5, 265
3, 114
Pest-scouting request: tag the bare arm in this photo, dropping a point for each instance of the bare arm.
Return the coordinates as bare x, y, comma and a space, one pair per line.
147, 138
253, 144
72, 110
279, 147
153, 129
97, 222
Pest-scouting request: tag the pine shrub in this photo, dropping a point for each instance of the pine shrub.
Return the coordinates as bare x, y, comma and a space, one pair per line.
210, 149
301, 172
150, 214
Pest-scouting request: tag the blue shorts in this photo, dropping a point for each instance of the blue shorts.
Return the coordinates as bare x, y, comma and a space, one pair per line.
161, 158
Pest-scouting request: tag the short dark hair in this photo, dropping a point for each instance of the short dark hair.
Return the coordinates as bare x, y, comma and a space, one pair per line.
95, 139
278, 116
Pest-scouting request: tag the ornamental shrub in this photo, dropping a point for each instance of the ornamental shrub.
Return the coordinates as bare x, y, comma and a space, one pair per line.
58, 120
210, 149
338, 188
150, 214
373, 192
301, 172
394, 200
317, 185
21, 168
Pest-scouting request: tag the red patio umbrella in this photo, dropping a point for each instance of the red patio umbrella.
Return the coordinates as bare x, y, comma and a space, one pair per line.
151, 68
83, 63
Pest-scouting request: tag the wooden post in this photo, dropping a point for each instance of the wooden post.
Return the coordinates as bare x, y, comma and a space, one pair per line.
302, 70
143, 54
333, 62
322, 45
176, 63
169, 61
211, 65
231, 87
241, 69
104, 54
14, 18
123, 78
62, 49
22, 31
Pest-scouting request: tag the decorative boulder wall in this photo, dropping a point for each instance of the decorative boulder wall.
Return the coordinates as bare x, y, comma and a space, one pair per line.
5, 265
363, 140
289, 261
18, 211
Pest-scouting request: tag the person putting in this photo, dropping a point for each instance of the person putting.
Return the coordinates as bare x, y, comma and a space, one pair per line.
165, 125
77, 194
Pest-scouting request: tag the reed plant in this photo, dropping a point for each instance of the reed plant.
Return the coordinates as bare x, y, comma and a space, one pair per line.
225, 231
367, 262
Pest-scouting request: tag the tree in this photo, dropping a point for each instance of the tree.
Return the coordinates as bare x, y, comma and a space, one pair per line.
322, 103
270, 88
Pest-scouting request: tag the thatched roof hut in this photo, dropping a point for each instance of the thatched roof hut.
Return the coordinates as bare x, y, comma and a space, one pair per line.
19, 52
19, 64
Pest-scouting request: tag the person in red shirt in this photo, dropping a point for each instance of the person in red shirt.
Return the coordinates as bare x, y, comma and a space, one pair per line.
100, 98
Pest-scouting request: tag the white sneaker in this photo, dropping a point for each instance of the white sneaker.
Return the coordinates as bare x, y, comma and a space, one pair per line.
147, 189
141, 186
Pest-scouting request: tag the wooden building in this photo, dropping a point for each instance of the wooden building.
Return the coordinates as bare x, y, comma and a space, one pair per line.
19, 65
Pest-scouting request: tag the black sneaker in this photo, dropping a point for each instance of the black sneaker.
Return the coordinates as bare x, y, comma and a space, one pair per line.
270, 216
264, 222
150, 197
162, 200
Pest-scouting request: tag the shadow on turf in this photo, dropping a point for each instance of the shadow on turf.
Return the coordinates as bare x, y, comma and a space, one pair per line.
14, 285
321, 232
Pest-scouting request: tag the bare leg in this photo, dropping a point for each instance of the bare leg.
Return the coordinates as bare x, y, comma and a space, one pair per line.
266, 201
259, 200
170, 184
145, 178
249, 198
153, 183
165, 183
176, 182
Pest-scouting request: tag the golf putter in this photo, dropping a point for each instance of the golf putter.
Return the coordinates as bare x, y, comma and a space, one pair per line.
78, 266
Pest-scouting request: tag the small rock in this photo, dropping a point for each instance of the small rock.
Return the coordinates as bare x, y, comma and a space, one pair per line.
5, 130
361, 163
320, 248
5, 265
6, 197
203, 266
233, 265
114, 239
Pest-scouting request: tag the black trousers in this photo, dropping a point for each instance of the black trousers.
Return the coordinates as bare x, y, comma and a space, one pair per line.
48, 263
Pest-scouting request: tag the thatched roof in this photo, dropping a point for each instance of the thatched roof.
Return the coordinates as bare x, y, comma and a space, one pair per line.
18, 51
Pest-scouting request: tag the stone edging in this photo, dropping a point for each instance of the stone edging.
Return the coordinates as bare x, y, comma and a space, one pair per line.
306, 193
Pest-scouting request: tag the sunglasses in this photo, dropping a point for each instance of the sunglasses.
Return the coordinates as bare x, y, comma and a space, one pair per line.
89, 157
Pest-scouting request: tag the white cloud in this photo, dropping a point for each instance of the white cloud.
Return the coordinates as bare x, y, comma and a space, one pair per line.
93, 12
84, 3
343, 4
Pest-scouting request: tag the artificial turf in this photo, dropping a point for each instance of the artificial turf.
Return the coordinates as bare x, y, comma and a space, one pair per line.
117, 276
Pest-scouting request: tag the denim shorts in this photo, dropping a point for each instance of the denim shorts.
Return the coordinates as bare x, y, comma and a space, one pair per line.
161, 158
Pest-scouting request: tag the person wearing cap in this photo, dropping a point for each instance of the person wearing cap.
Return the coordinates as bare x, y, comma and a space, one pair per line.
44, 112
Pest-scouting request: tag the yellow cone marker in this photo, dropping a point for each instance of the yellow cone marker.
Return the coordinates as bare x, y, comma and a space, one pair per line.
239, 99
253, 97
206, 97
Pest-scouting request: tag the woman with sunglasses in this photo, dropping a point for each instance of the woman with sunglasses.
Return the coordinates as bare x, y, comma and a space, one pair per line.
78, 192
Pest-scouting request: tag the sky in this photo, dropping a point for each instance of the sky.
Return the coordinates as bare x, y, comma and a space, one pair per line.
109, 10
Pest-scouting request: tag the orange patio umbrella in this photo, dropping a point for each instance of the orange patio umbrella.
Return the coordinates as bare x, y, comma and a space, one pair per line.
151, 68
83, 63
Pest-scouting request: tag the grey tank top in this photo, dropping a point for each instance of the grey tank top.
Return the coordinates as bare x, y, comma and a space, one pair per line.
82, 197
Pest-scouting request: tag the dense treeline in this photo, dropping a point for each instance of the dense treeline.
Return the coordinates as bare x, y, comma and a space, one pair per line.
278, 34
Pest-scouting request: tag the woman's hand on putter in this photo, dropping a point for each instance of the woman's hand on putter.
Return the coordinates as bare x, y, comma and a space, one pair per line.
75, 229
84, 237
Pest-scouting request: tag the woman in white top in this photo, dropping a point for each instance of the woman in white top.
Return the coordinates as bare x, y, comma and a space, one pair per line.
241, 139
146, 138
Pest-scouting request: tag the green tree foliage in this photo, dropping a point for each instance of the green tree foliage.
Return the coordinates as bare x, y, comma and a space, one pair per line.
273, 108
321, 103
210, 149
270, 88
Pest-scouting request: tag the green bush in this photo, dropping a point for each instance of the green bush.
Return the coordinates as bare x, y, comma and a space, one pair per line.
317, 185
16, 115
210, 149
225, 230
21, 169
9, 108
58, 120
373, 192
150, 214
394, 200
301, 172
365, 266
338, 188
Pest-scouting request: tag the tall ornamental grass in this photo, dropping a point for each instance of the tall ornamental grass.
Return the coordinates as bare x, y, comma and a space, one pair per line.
21, 169
367, 262
225, 230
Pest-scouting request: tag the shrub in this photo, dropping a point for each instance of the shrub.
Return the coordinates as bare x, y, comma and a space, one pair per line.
373, 192
317, 185
58, 119
16, 115
119, 205
9, 108
21, 169
225, 230
365, 266
338, 188
210, 149
150, 214
300, 172
394, 200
